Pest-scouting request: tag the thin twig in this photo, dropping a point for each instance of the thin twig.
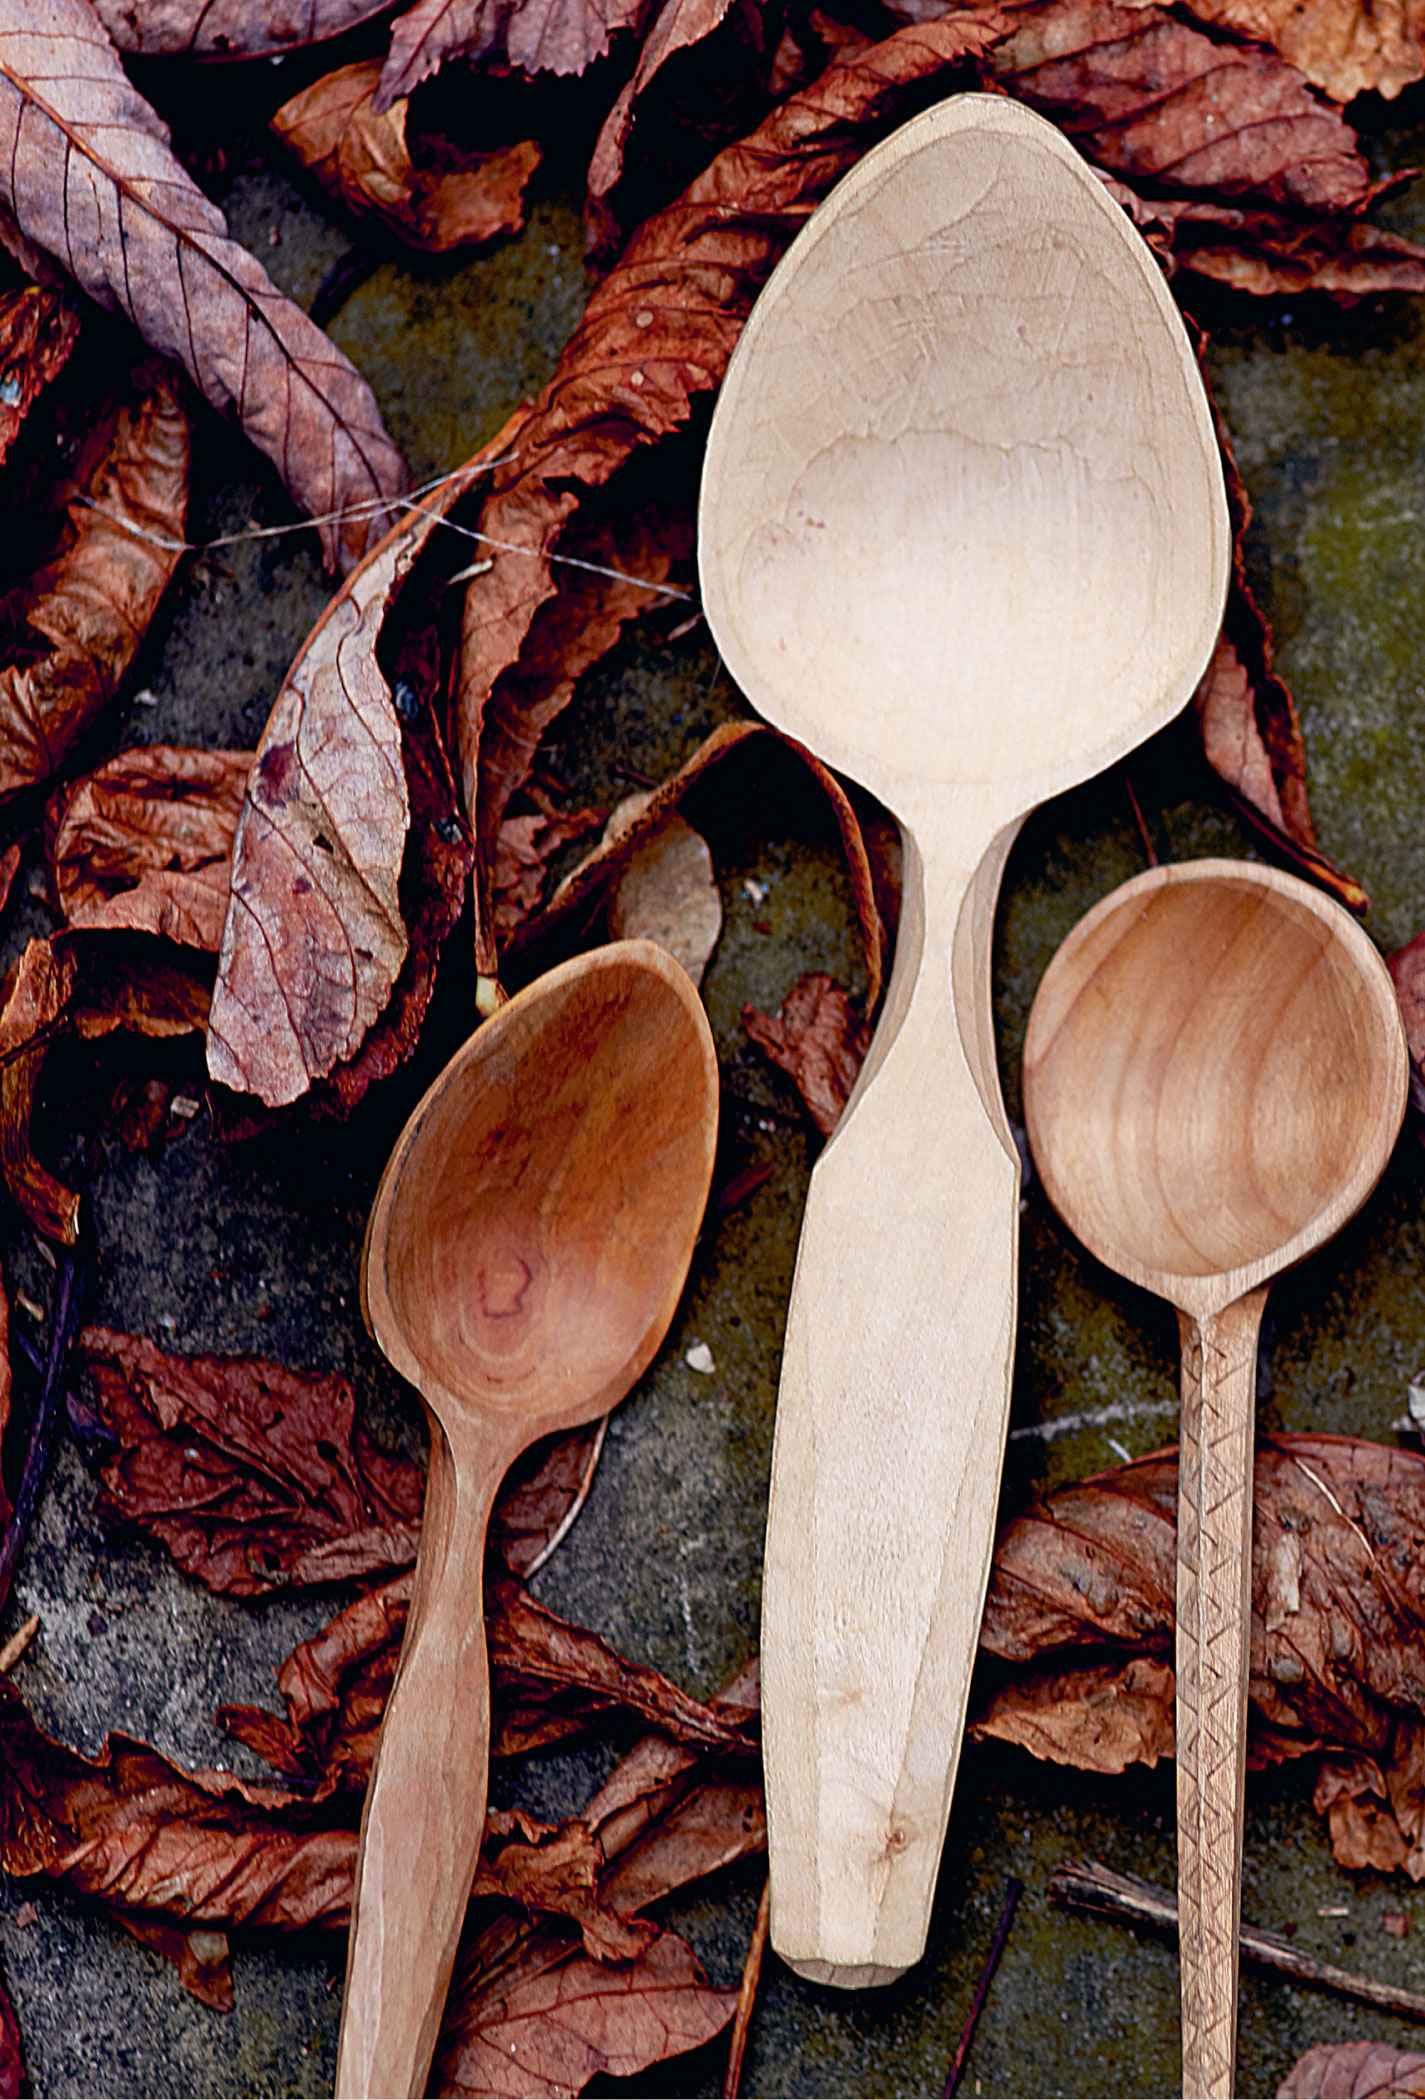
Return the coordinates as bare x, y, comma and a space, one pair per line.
1139, 820
1014, 1889
1088, 1886
63, 1326
581, 1496
742, 2018
18, 1642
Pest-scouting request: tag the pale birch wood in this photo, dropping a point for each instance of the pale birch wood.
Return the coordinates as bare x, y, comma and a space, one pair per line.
1214, 1075
528, 1245
962, 532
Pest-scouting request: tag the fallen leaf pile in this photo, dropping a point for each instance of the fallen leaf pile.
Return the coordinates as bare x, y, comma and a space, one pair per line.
291, 905
256, 1478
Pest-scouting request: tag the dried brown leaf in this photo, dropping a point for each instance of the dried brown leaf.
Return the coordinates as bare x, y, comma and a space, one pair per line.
13, 2075
1270, 253
1354, 2071
1345, 46
198, 1953
136, 1831
818, 1039
6, 1396
87, 174
523, 847
1083, 1586
579, 892
35, 996
230, 28
537, 36
254, 1477
1154, 99
1251, 732
551, 1680
364, 160
70, 632
314, 941
677, 26
528, 2013
657, 333
146, 842
38, 328
613, 574
668, 892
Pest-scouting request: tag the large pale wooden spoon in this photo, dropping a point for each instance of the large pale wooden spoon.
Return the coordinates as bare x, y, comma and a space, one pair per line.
963, 532
527, 1247
1214, 1076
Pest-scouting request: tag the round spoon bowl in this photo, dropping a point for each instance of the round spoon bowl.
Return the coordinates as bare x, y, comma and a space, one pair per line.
535, 1222
1213, 1074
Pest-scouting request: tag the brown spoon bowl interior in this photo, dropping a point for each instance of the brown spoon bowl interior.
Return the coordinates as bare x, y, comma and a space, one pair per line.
534, 1226
1214, 1076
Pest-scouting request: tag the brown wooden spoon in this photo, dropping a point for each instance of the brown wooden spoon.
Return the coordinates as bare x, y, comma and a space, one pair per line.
526, 1250
1214, 1075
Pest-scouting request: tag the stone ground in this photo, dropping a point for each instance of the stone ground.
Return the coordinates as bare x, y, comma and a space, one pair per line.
255, 1247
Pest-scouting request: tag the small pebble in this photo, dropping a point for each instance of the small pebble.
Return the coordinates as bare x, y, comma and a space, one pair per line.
700, 1358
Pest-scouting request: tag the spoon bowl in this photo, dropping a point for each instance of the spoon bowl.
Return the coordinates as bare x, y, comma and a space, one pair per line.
528, 1245
1214, 1075
963, 532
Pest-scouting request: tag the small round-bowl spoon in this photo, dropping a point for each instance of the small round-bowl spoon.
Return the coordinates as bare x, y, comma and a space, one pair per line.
1214, 1075
528, 1245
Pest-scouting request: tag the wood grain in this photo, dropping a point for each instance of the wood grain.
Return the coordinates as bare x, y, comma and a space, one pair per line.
1214, 1075
962, 533
526, 1250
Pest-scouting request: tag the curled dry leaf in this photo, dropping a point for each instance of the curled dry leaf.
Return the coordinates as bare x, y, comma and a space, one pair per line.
1251, 733
13, 2075
88, 176
657, 333
1407, 972
314, 940
230, 28
1155, 99
1268, 253
70, 632
612, 574
364, 160
73, 983
37, 332
252, 1476
199, 1953
139, 1833
677, 26
146, 842
668, 893
542, 1494
1081, 1603
579, 892
523, 849
551, 1681
1354, 2071
818, 1039
1345, 46
528, 2013
537, 36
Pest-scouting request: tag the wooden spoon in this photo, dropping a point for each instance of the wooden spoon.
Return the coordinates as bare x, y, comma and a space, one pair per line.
963, 532
527, 1247
1214, 1075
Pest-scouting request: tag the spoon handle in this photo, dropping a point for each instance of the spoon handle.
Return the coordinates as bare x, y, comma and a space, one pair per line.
889, 1442
425, 1806
1219, 1373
